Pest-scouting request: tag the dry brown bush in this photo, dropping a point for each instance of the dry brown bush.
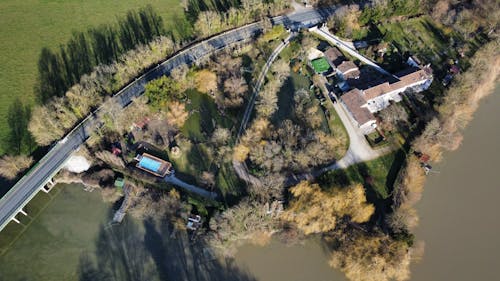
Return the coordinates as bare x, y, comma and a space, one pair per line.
159, 205
403, 219
11, 166
317, 211
372, 258
176, 114
110, 159
206, 81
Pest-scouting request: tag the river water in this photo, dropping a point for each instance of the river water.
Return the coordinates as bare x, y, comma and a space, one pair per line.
459, 224
460, 211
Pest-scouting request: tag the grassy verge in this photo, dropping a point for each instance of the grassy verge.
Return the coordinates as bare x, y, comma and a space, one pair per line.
376, 176
423, 37
196, 157
28, 26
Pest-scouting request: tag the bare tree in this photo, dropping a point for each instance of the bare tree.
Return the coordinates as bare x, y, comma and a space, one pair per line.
11, 166
206, 81
110, 159
177, 114
221, 136
393, 115
281, 69
234, 90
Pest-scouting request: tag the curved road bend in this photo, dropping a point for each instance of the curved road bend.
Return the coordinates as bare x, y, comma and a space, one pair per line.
240, 167
359, 150
28, 186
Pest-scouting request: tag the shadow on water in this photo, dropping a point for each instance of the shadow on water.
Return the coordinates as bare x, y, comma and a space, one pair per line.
59, 70
153, 252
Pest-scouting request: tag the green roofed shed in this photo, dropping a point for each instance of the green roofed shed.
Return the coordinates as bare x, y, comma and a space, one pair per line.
320, 65
119, 182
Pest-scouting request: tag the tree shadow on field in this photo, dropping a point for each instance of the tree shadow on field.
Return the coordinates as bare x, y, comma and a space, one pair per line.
59, 70
130, 252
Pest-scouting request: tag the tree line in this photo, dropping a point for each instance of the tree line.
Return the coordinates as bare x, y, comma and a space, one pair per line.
74, 79
59, 70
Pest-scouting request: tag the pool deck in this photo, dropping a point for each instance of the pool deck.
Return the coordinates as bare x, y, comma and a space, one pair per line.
163, 170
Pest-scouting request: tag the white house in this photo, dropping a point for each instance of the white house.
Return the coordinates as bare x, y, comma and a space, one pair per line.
361, 104
379, 96
354, 103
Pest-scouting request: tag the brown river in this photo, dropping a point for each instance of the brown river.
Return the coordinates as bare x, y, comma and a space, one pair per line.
459, 213
459, 218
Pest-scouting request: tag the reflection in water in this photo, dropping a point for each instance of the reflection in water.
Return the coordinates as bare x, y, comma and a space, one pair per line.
72, 240
279, 262
128, 252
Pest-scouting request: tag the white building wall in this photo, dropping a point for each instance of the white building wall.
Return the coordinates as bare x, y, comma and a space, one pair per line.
365, 128
381, 102
368, 127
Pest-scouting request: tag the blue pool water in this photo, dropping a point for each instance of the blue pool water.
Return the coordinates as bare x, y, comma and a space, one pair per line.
150, 164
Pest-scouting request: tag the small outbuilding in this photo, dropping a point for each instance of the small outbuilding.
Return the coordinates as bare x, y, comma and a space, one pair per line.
320, 65
119, 182
153, 165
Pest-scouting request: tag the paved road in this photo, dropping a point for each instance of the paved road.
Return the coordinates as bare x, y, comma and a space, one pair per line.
28, 186
359, 150
323, 32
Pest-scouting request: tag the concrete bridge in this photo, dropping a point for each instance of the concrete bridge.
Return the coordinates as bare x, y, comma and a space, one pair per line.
40, 176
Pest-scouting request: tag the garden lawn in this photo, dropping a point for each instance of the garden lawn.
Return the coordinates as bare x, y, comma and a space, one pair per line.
195, 159
286, 94
422, 37
30, 25
375, 175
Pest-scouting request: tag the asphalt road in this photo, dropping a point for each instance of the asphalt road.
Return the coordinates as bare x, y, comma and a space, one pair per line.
27, 187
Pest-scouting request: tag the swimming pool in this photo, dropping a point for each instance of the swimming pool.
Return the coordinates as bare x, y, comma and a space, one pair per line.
149, 164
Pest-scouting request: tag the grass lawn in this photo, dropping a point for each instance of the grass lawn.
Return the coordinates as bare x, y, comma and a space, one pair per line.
335, 124
203, 117
29, 25
377, 176
286, 102
196, 159
423, 37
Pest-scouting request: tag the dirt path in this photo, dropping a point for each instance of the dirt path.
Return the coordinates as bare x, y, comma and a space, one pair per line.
172, 179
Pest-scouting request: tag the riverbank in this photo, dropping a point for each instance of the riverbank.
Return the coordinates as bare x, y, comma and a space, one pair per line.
459, 210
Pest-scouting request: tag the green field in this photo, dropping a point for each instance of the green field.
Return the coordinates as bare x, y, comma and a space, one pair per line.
377, 176
204, 118
28, 26
423, 37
